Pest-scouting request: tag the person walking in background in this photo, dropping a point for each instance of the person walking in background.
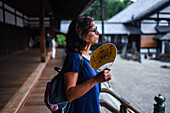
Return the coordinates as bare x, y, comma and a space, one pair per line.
53, 47
30, 42
48, 42
82, 93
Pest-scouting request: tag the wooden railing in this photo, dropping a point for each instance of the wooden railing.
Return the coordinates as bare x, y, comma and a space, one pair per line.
125, 106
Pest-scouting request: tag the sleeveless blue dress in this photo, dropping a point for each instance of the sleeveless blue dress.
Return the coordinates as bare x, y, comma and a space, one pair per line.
89, 102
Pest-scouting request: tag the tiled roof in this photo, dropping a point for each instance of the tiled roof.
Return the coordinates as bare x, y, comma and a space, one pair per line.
139, 10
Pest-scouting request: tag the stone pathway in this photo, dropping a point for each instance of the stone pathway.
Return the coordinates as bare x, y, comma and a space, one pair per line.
139, 83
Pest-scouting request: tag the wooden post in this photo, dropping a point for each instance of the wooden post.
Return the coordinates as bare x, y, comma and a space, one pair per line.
157, 19
42, 32
52, 26
4, 29
102, 17
15, 17
159, 106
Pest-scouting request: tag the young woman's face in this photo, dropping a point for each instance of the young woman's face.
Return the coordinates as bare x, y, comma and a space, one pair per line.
92, 37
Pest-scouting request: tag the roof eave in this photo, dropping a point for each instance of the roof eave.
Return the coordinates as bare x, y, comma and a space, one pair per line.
158, 7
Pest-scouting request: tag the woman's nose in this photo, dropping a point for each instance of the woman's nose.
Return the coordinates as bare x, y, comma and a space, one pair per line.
97, 33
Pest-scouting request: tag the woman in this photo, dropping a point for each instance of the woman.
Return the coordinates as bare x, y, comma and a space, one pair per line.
83, 93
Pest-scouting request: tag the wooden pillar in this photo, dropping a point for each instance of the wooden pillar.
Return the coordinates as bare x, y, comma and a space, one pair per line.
102, 18
52, 26
4, 29
42, 32
157, 19
15, 14
140, 36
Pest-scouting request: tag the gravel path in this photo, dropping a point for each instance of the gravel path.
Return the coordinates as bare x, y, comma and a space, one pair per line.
139, 83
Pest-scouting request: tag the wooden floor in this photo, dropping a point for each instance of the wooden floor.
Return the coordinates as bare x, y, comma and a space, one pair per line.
14, 70
34, 103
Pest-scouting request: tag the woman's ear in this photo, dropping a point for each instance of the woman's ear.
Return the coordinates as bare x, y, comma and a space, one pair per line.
86, 39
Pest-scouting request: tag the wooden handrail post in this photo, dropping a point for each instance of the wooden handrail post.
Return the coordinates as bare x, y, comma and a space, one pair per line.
123, 109
159, 106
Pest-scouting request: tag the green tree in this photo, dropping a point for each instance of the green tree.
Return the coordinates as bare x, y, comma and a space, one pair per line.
127, 2
111, 8
94, 10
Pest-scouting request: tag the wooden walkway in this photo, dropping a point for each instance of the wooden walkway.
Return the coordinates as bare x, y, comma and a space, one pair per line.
34, 103
14, 70
23, 81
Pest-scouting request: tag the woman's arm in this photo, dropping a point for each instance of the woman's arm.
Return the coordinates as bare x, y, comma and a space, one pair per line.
74, 92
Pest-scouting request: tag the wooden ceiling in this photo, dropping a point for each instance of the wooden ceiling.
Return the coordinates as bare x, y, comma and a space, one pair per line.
63, 9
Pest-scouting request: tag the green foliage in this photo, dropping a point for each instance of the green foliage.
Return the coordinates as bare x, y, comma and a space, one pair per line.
61, 39
111, 7
127, 2
94, 11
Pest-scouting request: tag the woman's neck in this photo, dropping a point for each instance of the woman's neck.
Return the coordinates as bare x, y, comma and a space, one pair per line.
85, 53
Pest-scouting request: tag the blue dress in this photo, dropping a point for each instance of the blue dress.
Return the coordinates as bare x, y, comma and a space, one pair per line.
89, 102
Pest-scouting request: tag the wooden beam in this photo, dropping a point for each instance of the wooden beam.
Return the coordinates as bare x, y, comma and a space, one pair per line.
164, 12
42, 32
157, 19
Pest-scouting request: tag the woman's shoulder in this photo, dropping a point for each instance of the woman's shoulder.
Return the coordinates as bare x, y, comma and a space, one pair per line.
73, 55
71, 63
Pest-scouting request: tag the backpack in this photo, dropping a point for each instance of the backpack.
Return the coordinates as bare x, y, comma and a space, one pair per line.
54, 97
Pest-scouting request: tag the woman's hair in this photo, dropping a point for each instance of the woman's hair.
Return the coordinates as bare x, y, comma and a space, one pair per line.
76, 38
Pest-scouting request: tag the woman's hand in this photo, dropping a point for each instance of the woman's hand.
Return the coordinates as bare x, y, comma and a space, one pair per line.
104, 75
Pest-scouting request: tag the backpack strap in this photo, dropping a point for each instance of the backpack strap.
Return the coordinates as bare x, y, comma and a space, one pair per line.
81, 66
81, 62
